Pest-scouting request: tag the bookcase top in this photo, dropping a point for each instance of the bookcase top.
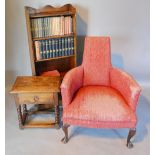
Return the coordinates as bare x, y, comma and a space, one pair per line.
48, 10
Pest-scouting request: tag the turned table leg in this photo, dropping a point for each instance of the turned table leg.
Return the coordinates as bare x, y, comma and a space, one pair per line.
57, 116
24, 113
56, 102
19, 116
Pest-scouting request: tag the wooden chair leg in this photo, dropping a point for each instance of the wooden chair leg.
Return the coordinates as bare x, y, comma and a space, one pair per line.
65, 130
132, 132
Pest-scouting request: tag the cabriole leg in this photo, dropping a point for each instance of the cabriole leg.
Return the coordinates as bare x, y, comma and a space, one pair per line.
132, 132
65, 130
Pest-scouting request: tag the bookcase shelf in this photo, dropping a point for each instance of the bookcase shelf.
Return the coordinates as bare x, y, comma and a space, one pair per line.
54, 36
43, 40
39, 15
62, 57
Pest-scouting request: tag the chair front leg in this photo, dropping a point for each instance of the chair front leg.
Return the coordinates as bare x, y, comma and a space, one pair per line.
132, 132
65, 130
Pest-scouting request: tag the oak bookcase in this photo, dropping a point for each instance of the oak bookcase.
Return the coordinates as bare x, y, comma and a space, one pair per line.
62, 63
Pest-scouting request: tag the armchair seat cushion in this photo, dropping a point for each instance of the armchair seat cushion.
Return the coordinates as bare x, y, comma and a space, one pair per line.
99, 107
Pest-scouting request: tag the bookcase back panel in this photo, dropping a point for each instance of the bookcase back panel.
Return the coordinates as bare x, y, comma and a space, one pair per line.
62, 65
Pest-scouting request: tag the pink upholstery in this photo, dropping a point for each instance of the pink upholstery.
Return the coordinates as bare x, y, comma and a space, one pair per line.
97, 95
96, 61
72, 81
101, 106
126, 85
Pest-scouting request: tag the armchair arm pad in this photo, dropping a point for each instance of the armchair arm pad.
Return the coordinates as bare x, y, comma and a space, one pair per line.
72, 81
126, 85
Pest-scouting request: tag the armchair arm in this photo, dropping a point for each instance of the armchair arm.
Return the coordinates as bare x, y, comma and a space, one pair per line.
72, 81
126, 85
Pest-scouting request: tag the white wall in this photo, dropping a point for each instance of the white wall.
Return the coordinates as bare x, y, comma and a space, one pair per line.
126, 21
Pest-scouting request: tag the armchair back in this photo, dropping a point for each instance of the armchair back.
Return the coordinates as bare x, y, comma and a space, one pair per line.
96, 61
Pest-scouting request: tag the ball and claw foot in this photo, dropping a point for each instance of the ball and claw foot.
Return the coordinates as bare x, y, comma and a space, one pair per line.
131, 134
65, 130
64, 140
129, 145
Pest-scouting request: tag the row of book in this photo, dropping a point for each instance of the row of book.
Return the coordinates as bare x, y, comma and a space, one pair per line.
49, 26
52, 48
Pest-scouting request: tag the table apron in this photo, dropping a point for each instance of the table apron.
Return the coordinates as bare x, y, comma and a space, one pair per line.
36, 98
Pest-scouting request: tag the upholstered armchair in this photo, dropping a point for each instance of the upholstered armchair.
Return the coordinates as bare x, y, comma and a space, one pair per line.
97, 95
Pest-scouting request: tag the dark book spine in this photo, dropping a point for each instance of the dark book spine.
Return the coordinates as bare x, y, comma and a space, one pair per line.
53, 48
63, 46
66, 47
47, 50
72, 45
60, 47
69, 46
44, 49
50, 49
56, 46
41, 49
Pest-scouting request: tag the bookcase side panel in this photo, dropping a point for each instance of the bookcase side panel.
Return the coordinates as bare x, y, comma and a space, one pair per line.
31, 51
74, 31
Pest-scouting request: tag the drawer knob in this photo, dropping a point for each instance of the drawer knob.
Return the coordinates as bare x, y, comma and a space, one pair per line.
36, 98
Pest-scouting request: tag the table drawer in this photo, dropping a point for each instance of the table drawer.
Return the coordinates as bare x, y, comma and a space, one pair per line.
36, 98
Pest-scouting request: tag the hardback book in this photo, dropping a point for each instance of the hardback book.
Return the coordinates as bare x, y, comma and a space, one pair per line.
63, 46
53, 48
60, 47
56, 48
50, 48
66, 47
37, 49
72, 45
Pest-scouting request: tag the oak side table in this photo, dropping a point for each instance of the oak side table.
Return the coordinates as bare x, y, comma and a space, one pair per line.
36, 90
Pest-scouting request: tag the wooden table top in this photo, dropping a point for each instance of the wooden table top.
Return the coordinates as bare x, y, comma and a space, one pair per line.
28, 84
